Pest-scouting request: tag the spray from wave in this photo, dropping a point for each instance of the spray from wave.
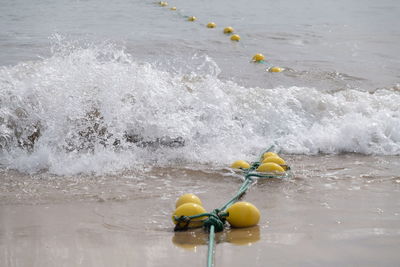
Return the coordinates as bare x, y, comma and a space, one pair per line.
94, 109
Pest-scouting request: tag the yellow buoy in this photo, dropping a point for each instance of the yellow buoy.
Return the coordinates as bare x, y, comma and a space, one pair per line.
188, 198
173, 8
228, 30
269, 154
235, 37
275, 69
211, 25
240, 164
274, 159
162, 3
189, 209
192, 18
258, 57
243, 214
270, 167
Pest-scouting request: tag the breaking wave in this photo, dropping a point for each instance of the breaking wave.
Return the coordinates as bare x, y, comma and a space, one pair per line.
94, 109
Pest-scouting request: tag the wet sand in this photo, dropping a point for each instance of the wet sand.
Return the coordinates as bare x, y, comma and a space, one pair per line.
337, 211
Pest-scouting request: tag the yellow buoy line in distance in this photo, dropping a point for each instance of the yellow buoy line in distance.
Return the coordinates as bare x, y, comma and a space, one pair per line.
228, 30
235, 37
275, 69
260, 58
257, 58
211, 25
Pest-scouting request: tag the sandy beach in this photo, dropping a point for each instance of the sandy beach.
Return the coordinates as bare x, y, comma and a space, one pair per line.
325, 216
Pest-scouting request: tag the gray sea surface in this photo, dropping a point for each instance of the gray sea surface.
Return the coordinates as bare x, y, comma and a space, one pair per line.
328, 44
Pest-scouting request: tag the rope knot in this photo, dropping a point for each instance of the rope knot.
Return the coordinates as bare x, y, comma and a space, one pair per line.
217, 219
182, 223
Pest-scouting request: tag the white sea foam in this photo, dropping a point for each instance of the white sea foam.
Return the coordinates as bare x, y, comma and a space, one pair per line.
94, 109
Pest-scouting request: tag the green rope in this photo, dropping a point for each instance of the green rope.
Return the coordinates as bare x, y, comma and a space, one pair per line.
242, 190
210, 253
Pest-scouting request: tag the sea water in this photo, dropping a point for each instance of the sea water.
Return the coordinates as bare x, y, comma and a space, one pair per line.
109, 110
93, 86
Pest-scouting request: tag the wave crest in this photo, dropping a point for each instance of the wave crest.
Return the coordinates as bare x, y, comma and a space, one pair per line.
95, 109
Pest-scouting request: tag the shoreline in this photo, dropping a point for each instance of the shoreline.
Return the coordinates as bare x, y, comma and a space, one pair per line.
337, 210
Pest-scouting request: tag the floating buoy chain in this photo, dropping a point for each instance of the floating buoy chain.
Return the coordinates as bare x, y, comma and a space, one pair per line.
189, 212
257, 58
217, 214
215, 221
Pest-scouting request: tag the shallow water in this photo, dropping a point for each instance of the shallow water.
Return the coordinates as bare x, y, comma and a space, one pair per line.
312, 174
334, 209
